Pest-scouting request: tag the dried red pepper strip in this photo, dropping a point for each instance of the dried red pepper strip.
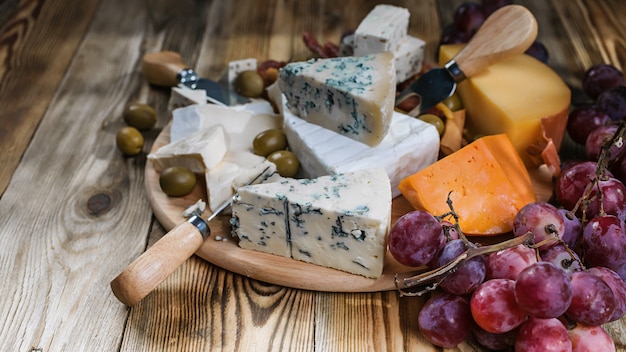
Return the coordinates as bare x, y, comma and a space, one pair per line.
313, 44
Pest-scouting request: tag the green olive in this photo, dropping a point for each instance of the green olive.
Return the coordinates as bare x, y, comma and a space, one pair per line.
269, 141
453, 102
286, 162
177, 181
249, 84
433, 120
129, 140
141, 116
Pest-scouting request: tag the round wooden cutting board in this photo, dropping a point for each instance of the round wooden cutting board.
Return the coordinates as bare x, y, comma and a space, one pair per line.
221, 248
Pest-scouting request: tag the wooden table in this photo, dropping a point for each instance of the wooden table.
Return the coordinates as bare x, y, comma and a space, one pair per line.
74, 211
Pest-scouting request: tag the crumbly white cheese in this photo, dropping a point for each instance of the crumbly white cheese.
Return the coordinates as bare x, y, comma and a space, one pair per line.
199, 151
383, 29
241, 124
352, 96
409, 58
337, 221
410, 145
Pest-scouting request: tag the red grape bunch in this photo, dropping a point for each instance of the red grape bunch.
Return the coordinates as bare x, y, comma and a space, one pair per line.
561, 276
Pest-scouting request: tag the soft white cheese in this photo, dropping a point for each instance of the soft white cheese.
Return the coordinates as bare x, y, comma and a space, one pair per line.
410, 145
352, 96
199, 151
383, 29
337, 221
241, 124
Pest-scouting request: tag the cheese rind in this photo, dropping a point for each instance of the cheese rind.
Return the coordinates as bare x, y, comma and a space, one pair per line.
337, 221
241, 124
409, 146
352, 96
521, 97
383, 29
199, 152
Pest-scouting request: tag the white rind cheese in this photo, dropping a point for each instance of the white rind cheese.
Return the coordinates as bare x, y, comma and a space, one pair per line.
199, 151
352, 96
383, 29
338, 221
410, 145
241, 124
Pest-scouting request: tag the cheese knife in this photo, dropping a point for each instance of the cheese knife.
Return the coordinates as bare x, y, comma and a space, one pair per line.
168, 69
166, 255
508, 32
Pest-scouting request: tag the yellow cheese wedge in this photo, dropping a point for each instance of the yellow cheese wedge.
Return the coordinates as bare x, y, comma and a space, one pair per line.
486, 181
521, 97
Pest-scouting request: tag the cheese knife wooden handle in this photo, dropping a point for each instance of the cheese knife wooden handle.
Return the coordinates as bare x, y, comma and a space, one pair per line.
164, 68
159, 261
508, 32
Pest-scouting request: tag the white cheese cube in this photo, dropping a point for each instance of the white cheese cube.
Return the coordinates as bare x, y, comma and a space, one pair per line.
339, 221
352, 96
410, 145
184, 96
241, 125
409, 58
381, 30
199, 151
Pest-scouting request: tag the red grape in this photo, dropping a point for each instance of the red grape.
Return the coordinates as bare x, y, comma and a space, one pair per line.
598, 138
494, 342
494, 307
590, 338
468, 17
415, 238
508, 263
573, 228
611, 200
593, 301
600, 78
490, 6
617, 285
543, 335
538, 51
542, 219
604, 243
543, 290
559, 256
571, 182
468, 274
445, 319
583, 120
613, 102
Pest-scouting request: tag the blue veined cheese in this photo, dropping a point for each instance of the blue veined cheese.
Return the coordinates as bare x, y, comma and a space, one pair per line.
352, 96
200, 151
338, 221
383, 29
241, 124
410, 145
409, 58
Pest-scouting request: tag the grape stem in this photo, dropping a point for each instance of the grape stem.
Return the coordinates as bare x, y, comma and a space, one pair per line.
436, 275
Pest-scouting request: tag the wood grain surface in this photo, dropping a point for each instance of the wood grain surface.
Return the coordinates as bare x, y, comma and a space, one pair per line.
74, 211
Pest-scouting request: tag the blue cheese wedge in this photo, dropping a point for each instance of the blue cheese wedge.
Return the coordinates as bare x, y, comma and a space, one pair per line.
199, 152
352, 96
383, 29
241, 124
410, 145
338, 221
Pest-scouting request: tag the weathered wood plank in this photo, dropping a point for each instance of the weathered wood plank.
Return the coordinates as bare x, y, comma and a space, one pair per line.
36, 45
78, 208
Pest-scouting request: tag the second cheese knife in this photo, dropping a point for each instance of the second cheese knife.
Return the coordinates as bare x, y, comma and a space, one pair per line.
508, 32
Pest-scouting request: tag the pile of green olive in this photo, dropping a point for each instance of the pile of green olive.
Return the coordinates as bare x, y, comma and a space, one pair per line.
453, 103
138, 117
272, 144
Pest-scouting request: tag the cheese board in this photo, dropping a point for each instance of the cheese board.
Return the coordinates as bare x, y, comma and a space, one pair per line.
222, 250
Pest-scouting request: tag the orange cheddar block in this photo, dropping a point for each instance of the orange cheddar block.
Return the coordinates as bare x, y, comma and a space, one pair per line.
521, 97
487, 183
